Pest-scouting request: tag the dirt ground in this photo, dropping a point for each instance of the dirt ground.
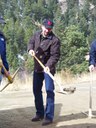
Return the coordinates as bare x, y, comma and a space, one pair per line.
17, 109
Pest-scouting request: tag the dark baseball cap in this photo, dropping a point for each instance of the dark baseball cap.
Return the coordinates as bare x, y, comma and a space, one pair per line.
48, 23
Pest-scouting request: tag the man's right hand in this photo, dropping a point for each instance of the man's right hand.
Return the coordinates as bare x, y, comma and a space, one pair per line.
91, 68
46, 69
32, 53
10, 79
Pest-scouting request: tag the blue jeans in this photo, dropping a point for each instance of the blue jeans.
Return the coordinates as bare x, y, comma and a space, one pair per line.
37, 90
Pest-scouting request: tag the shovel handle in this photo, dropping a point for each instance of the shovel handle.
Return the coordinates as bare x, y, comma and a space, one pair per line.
6, 73
9, 82
39, 62
15, 73
49, 73
53, 78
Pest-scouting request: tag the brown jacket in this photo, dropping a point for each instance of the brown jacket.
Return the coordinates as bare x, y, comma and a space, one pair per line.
47, 50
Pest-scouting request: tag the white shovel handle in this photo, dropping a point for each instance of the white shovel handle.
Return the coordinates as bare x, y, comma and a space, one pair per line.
49, 73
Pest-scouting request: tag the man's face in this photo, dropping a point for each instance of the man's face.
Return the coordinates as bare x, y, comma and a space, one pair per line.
45, 31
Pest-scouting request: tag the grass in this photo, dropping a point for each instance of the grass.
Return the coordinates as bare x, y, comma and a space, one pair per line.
23, 81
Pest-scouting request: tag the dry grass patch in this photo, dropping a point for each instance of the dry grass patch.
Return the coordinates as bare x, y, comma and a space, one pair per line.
23, 80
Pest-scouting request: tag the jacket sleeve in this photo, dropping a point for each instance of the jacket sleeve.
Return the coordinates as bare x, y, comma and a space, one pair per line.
54, 54
4, 59
31, 43
92, 59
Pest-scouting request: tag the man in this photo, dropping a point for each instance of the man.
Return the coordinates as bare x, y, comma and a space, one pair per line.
46, 47
92, 56
3, 51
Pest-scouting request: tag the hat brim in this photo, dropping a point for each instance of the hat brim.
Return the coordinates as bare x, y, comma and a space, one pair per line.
48, 26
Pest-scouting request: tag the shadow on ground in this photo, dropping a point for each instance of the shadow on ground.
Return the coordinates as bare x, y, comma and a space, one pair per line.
21, 118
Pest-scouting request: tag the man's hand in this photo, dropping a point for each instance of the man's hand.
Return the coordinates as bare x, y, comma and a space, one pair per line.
10, 79
46, 69
32, 53
0, 64
91, 68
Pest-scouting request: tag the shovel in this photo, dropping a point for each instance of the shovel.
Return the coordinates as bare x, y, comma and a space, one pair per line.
62, 90
1, 89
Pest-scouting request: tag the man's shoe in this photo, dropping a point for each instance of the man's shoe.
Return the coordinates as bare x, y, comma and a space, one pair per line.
46, 122
37, 118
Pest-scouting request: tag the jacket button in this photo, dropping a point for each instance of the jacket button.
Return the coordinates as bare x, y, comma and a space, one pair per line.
40, 57
36, 51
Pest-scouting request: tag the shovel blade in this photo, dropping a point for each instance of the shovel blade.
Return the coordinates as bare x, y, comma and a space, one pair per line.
68, 90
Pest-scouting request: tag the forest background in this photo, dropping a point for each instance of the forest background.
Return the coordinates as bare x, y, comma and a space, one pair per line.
75, 25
